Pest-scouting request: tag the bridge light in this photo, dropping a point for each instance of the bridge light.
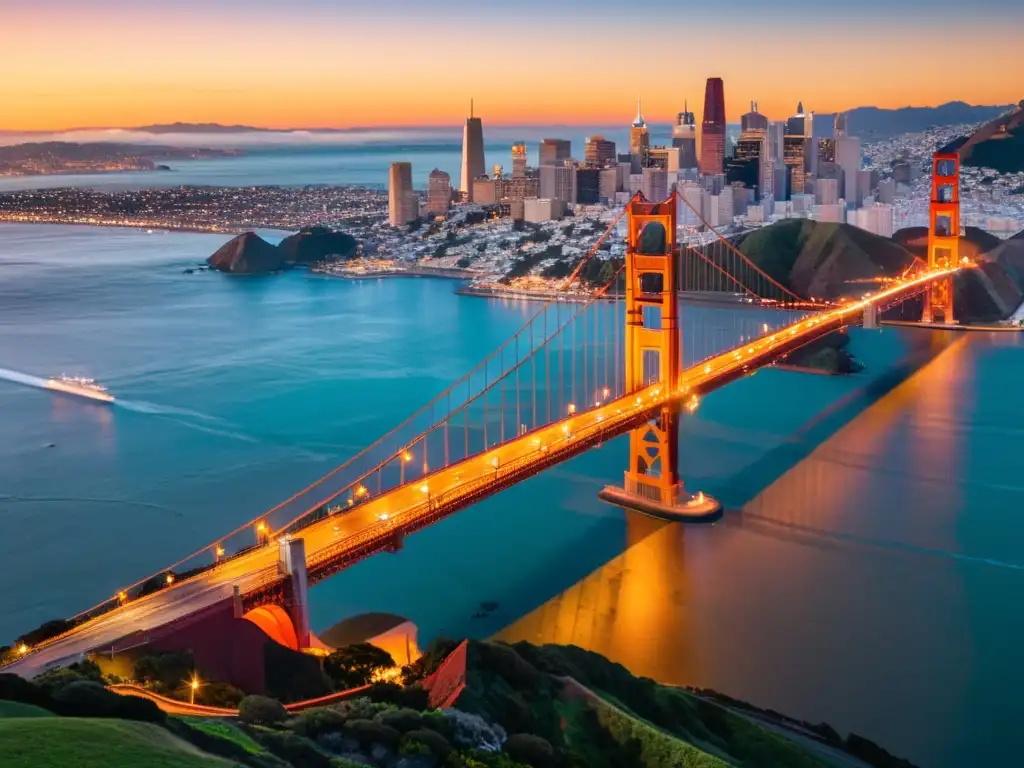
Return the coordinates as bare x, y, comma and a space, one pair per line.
605, 392
261, 527
424, 488
382, 516
360, 491
707, 368
692, 403
572, 408
219, 551
764, 328
122, 597
406, 456
600, 417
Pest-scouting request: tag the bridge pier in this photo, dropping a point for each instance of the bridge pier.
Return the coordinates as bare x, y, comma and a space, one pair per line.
871, 317
292, 563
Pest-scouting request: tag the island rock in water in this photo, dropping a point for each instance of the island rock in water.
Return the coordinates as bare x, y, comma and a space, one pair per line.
247, 254
314, 244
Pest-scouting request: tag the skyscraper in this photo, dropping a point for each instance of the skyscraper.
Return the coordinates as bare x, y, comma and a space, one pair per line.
753, 120
712, 129
472, 152
403, 205
518, 160
439, 192
598, 152
840, 125
795, 142
684, 136
555, 151
639, 140
848, 160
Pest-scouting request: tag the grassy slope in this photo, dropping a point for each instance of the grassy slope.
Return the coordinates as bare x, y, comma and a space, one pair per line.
16, 709
49, 742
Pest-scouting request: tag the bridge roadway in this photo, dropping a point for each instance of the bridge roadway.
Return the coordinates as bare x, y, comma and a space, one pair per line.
335, 542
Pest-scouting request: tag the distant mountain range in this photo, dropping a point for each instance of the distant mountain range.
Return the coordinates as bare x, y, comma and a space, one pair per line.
866, 122
875, 123
999, 144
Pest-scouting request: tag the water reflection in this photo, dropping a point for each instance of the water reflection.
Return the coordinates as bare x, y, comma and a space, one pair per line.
633, 609
836, 593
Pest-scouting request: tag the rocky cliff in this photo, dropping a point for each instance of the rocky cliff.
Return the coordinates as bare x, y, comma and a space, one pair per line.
247, 254
251, 254
317, 244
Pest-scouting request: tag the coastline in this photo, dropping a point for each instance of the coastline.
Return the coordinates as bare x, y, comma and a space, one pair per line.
162, 227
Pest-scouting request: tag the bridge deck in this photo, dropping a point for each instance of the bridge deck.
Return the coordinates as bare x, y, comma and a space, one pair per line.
336, 542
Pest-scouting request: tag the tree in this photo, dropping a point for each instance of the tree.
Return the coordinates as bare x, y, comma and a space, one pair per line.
355, 665
260, 710
463, 262
165, 671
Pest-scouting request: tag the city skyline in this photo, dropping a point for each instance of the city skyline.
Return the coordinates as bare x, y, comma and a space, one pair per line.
120, 64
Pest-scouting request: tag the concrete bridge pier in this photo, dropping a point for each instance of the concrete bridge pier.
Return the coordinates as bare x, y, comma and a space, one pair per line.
871, 317
292, 563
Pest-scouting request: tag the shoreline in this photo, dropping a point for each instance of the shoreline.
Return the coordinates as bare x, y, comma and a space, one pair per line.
193, 228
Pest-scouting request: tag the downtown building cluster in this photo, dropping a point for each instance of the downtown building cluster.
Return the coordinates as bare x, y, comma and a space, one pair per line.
775, 170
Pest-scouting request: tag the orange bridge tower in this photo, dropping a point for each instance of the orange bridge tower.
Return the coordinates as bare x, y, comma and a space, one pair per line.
653, 352
943, 235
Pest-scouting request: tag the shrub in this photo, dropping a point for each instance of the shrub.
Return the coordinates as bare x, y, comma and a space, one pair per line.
436, 744
165, 671
44, 632
473, 731
395, 695
316, 722
260, 710
401, 720
295, 749
219, 695
54, 680
369, 732
17, 688
530, 749
85, 698
355, 665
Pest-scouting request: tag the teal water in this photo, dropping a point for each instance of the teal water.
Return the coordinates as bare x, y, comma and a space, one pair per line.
869, 572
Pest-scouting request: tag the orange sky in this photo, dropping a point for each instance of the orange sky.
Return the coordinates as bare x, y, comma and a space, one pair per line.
267, 69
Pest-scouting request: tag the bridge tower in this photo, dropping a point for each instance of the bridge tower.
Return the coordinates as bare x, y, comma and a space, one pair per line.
653, 353
943, 235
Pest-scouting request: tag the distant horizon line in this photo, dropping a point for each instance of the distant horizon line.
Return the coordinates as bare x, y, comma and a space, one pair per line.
240, 128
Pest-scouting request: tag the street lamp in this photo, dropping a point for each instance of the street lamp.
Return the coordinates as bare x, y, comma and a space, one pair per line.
169, 579
22, 649
261, 532
193, 686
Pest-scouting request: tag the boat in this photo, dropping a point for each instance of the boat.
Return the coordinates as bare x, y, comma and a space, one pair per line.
82, 387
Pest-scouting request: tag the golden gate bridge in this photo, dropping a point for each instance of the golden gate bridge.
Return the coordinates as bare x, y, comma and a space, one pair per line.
574, 376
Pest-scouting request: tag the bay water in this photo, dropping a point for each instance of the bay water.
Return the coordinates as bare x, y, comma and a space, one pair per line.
869, 571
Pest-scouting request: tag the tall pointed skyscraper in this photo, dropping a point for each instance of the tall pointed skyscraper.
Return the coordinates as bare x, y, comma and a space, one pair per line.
639, 140
712, 129
472, 152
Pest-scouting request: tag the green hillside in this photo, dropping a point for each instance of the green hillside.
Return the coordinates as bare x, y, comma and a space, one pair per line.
823, 260
52, 742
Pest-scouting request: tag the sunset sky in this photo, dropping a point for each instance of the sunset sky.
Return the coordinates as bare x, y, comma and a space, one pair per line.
337, 63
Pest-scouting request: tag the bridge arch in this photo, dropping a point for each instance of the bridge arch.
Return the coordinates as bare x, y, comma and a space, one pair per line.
276, 624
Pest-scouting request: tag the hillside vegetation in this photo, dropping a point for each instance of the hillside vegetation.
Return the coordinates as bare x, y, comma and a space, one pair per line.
831, 261
823, 260
520, 706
